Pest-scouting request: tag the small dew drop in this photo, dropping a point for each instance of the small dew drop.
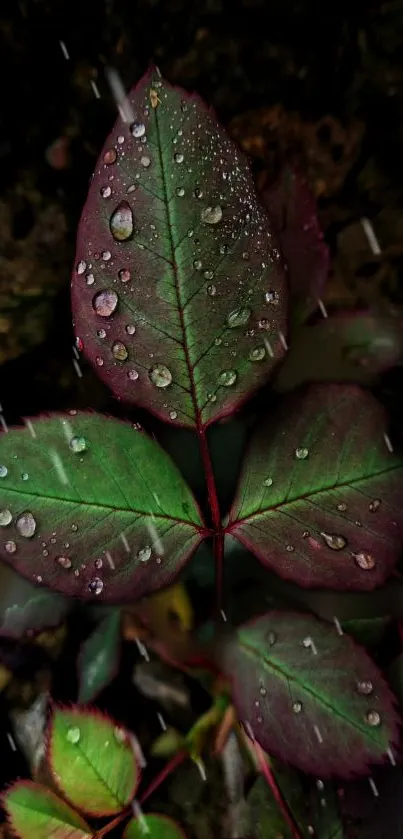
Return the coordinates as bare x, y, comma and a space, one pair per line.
130, 328
268, 482
227, 378
5, 518
124, 275
105, 191
99, 361
78, 444
301, 454
272, 297
271, 638
104, 303
160, 375
24, 476
81, 267
106, 255
211, 290
257, 354
95, 586
121, 222
98, 563
342, 507
374, 505
101, 333
26, 525
173, 415
178, 157
3, 471
198, 193
146, 162
263, 691
211, 215
223, 249
290, 548
297, 707
334, 541
133, 375
119, 734
64, 561
180, 191
197, 265
364, 560
73, 735
11, 547
144, 553
138, 129
373, 718
119, 351
238, 317
365, 687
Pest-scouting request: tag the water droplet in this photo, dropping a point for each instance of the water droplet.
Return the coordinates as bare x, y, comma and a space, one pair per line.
110, 157
301, 454
81, 267
227, 378
133, 375
272, 297
211, 290
5, 518
180, 191
121, 222
173, 415
144, 553
124, 275
178, 157
119, 734
138, 129
263, 691
297, 707
74, 528
211, 215
104, 303
78, 444
245, 255
307, 642
342, 507
24, 476
101, 333
73, 735
11, 547
257, 354
3, 471
271, 638
334, 541
106, 255
119, 351
373, 718
238, 317
130, 328
290, 548
26, 525
160, 375
364, 560
268, 482
95, 586
223, 249
365, 687
264, 323
197, 265
198, 192
99, 361
145, 161
64, 561
98, 563
105, 191
374, 505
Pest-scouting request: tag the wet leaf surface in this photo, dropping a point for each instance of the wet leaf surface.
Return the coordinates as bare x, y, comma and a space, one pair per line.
265, 816
154, 826
35, 812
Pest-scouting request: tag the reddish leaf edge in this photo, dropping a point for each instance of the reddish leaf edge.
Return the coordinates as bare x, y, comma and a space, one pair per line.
49, 792
200, 428
96, 714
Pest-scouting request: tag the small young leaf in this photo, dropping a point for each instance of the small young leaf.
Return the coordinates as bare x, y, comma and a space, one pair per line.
292, 210
319, 497
94, 508
99, 657
178, 291
154, 826
92, 761
311, 697
34, 812
265, 816
39, 613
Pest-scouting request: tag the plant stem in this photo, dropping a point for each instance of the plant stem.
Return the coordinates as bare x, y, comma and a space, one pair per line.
270, 778
175, 761
218, 541
114, 823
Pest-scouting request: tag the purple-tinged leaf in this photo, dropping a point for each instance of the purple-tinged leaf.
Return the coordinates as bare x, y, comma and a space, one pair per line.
46, 611
178, 292
264, 814
344, 348
94, 508
34, 812
320, 493
154, 826
311, 697
98, 662
292, 210
92, 761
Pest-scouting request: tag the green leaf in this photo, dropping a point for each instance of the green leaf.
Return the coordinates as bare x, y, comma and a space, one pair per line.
367, 631
154, 826
35, 812
265, 816
92, 761
326, 817
313, 698
319, 497
178, 294
94, 508
99, 657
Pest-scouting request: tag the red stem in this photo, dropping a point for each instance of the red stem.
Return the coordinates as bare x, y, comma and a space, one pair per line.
218, 541
114, 823
175, 761
269, 776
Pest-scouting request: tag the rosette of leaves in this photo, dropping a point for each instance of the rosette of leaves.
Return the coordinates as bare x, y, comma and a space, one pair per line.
181, 302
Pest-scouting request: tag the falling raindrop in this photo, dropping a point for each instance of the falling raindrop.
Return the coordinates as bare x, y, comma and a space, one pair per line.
110, 157
301, 454
364, 560
238, 317
5, 518
78, 444
26, 525
373, 718
374, 505
160, 375
365, 687
124, 275
334, 541
144, 553
73, 735
268, 482
121, 222
138, 129
297, 707
95, 586
227, 378
11, 547
104, 303
211, 215
3, 471
64, 561
257, 354
119, 351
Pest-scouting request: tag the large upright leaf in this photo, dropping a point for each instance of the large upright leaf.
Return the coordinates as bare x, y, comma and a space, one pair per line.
312, 698
35, 812
94, 508
92, 761
319, 497
178, 291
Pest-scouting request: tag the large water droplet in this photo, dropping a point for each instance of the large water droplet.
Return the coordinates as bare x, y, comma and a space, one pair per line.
95, 586
64, 561
146, 162
138, 129
257, 354
3, 471
211, 215
301, 454
334, 541
10, 547
5, 518
121, 223
26, 525
373, 718
238, 317
144, 553
73, 735
365, 687
160, 375
104, 303
227, 378
110, 157
105, 191
119, 351
364, 560
78, 444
